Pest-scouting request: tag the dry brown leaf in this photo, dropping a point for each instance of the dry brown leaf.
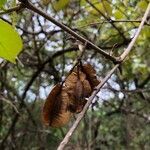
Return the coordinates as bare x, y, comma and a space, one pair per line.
80, 107
64, 114
50, 103
71, 80
73, 77
62, 120
76, 77
77, 88
91, 75
77, 107
87, 88
55, 112
78, 91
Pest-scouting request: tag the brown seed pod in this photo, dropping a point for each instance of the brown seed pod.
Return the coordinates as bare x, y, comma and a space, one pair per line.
77, 108
55, 111
87, 88
77, 84
70, 98
91, 75
77, 88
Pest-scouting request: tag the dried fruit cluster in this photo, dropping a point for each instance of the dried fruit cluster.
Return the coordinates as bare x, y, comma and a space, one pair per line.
69, 98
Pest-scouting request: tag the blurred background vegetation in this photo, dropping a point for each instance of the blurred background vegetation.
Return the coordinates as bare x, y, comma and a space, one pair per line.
119, 117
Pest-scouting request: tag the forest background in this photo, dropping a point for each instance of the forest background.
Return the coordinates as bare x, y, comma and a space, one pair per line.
119, 116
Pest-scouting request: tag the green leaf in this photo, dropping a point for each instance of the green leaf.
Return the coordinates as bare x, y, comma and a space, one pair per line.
142, 5
107, 7
2, 2
61, 4
90, 19
104, 7
82, 2
46, 2
118, 14
10, 42
144, 35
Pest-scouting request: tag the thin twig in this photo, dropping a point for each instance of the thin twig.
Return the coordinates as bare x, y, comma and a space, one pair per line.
16, 8
11, 104
128, 49
114, 21
76, 62
81, 115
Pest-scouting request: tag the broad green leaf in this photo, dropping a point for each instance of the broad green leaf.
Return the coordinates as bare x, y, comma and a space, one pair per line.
142, 4
144, 35
2, 2
146, 32
118, 14
10, 42
46, 2
61, 4
90, 19
82, 3
104, 7
107, 7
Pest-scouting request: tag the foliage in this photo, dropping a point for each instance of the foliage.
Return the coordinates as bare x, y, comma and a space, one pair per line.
2, 2
10, 42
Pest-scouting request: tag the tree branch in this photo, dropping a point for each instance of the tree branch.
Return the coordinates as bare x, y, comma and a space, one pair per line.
30, 6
